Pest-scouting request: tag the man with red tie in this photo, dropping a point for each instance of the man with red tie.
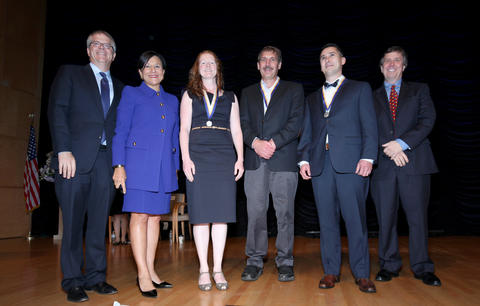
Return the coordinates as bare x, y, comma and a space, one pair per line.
405, 116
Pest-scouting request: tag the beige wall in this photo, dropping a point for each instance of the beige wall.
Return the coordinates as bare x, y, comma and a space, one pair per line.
22, 32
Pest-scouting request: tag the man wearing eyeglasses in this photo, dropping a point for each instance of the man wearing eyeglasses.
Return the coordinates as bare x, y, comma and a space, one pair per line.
82, 112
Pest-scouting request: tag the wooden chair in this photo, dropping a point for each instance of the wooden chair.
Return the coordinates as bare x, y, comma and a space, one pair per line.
177, 214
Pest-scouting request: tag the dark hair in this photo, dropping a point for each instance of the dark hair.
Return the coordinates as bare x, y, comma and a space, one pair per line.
195, 84
395, 49
334, 46
89, 38
273, 49
146, 56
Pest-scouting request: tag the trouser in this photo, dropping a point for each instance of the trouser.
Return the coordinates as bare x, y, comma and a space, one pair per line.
90, 195
282, 185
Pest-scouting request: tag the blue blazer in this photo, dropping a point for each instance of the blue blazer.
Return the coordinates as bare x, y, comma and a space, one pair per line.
351, 128
146, 138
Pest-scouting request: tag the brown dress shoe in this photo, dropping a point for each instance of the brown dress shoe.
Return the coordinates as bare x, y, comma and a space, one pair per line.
366, 285
328, 281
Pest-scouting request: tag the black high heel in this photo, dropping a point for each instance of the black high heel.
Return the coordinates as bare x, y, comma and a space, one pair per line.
162, 285
151, 293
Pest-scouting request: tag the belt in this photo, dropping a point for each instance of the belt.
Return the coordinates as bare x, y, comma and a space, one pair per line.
211, 127
103, 147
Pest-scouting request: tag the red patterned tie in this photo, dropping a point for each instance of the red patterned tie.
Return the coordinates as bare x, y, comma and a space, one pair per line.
393, 102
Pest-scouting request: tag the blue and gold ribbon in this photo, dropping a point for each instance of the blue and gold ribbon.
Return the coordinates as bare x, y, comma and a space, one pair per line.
210, 106
273, 90
329, 106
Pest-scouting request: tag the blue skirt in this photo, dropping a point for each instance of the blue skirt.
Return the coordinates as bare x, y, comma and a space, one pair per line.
147, 202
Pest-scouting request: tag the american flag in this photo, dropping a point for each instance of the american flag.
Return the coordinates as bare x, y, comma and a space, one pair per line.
30, 175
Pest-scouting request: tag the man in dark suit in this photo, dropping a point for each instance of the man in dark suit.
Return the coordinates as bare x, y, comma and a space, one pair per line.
82, 112
271, 114
336, 150
406, 115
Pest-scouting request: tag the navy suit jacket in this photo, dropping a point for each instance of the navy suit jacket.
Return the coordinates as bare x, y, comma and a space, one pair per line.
76, 117
351, 128
146, 138
282, 123
415, 118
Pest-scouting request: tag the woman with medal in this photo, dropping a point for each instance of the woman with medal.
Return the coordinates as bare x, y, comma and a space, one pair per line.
146, 158
212, 154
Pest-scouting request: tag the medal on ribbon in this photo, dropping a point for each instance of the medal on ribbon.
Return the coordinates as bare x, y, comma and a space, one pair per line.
273, 90
210, 106
329, 106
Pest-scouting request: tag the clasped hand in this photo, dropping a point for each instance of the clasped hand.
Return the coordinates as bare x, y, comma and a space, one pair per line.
264, 148
394, 150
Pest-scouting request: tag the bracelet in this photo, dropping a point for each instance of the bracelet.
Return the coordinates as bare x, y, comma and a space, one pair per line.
118, 166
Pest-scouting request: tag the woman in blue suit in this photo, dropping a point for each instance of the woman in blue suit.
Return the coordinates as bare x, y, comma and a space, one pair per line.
145, 158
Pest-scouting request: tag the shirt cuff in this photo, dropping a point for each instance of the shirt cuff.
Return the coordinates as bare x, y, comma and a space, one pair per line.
368, 160
403, 144
303, 162
251, 145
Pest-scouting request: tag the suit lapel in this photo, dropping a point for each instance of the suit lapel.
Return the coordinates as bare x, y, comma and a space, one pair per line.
402, 98
276, 95
381, 96
93, 88
258, 98
337, 98
116, 95
318, 107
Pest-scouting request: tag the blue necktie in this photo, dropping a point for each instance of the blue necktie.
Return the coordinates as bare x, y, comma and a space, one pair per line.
105, 93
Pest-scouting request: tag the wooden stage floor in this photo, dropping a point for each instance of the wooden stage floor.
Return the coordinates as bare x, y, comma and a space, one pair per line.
31, 275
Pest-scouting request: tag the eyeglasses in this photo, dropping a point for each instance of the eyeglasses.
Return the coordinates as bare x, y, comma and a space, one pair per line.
97, 44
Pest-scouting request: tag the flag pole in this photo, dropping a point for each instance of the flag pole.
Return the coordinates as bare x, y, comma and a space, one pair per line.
29, 235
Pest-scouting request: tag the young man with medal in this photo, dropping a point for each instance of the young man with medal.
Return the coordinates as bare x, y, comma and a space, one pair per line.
406, 116
271, 114
337, 149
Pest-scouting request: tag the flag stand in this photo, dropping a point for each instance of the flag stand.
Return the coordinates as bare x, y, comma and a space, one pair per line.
29, 235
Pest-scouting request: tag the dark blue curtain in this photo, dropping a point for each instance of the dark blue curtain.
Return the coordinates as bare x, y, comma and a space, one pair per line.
438, 39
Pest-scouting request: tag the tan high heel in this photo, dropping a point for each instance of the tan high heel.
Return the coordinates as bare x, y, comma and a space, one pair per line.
204, 287
220, 286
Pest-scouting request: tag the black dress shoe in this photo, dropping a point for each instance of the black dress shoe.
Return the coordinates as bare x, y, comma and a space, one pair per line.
285, 274
151, 293
251, 273
102, 288
429, 278
385, 275
77, 295
162, 285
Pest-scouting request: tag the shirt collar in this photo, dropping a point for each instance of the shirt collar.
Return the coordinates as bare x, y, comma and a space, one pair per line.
97, 70
149, 91
388, 86
339, 79
264, 85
